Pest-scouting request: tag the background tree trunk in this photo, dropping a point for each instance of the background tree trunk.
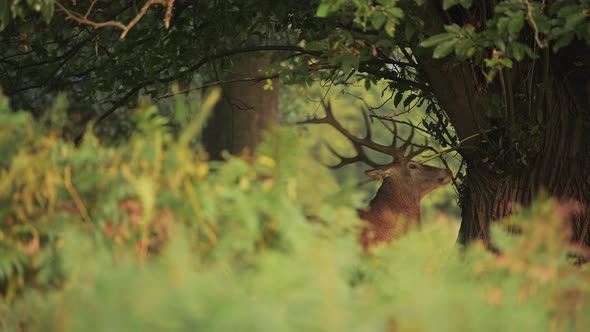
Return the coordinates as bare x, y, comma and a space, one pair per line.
243, 113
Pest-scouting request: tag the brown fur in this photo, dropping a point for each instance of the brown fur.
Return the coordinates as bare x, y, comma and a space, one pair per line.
395, 209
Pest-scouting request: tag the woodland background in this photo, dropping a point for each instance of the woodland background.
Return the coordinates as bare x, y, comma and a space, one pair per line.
136, 195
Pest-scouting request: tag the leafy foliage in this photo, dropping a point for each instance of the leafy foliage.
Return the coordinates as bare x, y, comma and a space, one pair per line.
134, 193
382, 14
558, 24
339, 42
202, 42
149, 235
11, 10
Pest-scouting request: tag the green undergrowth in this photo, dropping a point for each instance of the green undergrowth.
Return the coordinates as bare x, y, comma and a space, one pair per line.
149, 235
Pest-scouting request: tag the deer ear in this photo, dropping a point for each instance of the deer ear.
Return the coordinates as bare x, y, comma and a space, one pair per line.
375, 173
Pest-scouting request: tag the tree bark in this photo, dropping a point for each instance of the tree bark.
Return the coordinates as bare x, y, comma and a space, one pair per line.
546, 114
560, 167
558, 159
244, 112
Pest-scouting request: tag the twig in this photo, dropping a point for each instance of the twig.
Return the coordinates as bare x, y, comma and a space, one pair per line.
458, 147
390, 119
90, 9
168, 17
80, 19
84, 19
531, 19
210, 84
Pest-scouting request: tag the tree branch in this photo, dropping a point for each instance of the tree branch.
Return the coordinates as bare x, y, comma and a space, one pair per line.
83, 19
210, 84
206, 59
202, 62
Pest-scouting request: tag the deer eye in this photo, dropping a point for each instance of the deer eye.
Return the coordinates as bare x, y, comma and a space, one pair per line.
412, 165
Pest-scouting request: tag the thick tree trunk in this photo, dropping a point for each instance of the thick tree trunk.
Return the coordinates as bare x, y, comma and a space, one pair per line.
560, 167
245, 111
545, 117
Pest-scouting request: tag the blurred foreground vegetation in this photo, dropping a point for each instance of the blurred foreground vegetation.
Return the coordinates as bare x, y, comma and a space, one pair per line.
150, 236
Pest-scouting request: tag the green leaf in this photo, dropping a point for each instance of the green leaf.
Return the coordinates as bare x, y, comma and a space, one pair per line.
541, 21
565, 40
377, 20
501, 45
348, 61
502, 24
436, 39
573, 20
390, 28
507, 62
454, 28
397, 99
396, 12
568, 10
315, 45
518, 50
462, 47
408, 100
516, 23
324, 9
557, 32
47, 11
5, 16
444, 49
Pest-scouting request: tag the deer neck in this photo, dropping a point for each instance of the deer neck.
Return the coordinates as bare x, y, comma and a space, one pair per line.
397, 197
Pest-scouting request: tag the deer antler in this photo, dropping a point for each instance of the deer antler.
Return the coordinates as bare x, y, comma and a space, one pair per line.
398, 153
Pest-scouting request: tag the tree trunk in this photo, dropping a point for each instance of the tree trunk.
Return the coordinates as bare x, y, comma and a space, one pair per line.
243, 113
544, 118
559, 166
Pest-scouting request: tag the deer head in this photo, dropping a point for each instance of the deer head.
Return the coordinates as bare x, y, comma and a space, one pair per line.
421, 178
424, 178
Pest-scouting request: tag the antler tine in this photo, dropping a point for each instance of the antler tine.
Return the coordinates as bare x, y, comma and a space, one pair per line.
400, 152
343, 160
328, 108
357, 142
361, 156
328, 119
313, 120
366, 142
408, 141
394, 133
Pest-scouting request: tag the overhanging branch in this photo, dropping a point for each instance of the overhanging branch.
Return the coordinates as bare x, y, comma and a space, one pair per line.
364, 67
83, 19
210, 84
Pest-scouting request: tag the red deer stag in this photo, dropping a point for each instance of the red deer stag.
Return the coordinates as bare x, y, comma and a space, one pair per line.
396, 206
